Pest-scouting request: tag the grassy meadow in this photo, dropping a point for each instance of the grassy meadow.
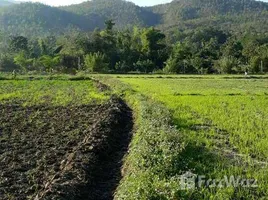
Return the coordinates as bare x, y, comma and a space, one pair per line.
211, 126
50, 92
223, 123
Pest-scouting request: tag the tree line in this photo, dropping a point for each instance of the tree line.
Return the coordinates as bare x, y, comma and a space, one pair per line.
138, 50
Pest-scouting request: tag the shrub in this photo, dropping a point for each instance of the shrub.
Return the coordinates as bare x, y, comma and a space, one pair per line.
96, 62
227, 65
178, 62
49, 62
145, 66
7, 63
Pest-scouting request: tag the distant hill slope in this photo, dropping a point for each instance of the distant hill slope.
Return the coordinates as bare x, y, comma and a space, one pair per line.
34, 19
234, 15
124, 13
6, 3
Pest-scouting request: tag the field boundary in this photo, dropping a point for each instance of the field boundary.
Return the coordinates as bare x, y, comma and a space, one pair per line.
153, 152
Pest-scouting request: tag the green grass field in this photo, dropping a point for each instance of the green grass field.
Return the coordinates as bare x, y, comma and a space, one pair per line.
210, 126
224, 124
50, 92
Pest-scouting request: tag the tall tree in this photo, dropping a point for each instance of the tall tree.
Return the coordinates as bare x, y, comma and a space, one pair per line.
153, 46
18, 43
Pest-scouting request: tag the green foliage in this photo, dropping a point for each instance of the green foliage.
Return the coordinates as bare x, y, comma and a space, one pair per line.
144, 66
230, 15
70, 64
128, 51
178, 61
109, 25
227, 65
7, 63
49, 62
145, 50
152, 41
124, 13
48, 46
35, 19
96, 62
237, 16
233, 48
208, 43
18, 43
22, 61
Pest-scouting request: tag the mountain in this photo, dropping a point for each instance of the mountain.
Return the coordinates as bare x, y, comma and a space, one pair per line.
35, 19
6, 3
124, 13
232, 15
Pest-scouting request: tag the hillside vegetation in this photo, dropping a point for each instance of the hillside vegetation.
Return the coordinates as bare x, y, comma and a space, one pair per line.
116, 36
125, 14
233, 15
35, 19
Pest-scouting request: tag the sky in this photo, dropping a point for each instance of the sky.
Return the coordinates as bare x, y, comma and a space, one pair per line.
68, 2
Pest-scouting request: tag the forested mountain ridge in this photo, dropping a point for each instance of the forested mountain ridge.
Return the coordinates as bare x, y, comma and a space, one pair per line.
123, 13
231, 15
35, 19
193, 36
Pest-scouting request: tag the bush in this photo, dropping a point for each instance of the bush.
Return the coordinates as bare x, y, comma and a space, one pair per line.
258, 64
22, 61
179, 60
227, 65
145, 66
7, 64
69, 64
49, 62
96, 62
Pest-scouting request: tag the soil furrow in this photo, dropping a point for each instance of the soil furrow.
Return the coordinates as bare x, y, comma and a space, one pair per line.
63, 152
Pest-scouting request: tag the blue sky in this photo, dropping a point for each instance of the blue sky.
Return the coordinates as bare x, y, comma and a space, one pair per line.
68, 2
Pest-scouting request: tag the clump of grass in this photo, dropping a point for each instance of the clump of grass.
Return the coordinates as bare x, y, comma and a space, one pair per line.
153, 157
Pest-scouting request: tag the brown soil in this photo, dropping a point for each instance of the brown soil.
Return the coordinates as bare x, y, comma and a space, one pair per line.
62, 152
